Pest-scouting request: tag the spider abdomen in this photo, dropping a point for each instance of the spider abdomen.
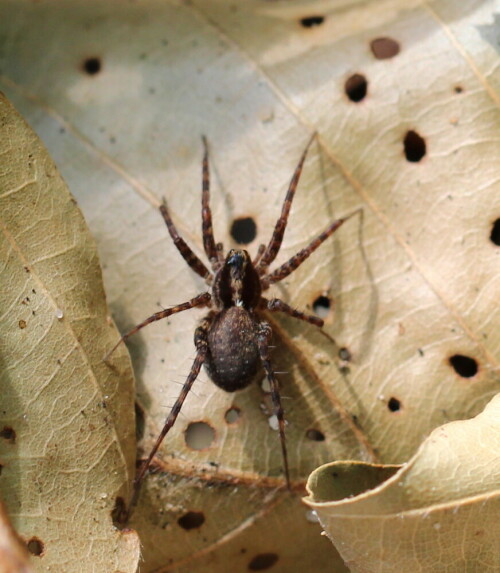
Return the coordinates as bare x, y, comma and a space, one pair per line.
233, 359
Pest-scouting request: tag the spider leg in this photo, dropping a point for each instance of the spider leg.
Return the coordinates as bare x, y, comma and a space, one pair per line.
206, 213
264, 337
220, 252
201, 343
200, 300
274, 245
277, 305
286, 268
184, 249
259, 254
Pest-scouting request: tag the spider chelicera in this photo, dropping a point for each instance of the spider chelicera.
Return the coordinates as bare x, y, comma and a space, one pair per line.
232, 340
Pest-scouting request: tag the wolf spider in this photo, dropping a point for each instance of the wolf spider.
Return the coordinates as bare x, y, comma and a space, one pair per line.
232, 340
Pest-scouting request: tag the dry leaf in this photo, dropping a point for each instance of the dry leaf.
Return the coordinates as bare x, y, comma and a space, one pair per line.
121, 99
66, 427
438, 513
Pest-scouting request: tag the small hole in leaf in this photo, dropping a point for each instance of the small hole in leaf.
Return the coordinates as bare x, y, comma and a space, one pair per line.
315, 435
495, 233
199, 435
394, 405
8, 434
232, 415
119, 512
414, 146
458, 89
312, 21
263, 561
35, 546
464, 366
191, 520
345, 354
244, 230
92, 66
384, 48
321, 306
356, 87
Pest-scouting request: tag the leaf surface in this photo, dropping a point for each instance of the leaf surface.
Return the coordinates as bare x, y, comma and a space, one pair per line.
121, 100
438, 513
67, 444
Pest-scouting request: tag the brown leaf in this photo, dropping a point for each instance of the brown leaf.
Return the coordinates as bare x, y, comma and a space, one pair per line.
437, 513
67, 445
122, 100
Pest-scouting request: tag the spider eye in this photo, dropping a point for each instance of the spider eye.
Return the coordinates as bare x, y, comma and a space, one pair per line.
235, 259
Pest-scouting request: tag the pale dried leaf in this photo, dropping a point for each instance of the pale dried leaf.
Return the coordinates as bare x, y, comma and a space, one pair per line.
412, 282
438, 513
67, 444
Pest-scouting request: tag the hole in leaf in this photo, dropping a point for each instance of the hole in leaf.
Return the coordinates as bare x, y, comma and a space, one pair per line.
356, 87
384, 48
464, 366
243, 230
232, 415
458, 89
199, 435
414, 146
312, 21
35, 546
191, 520
263, 561
495, 233
8, 434
345, 354
394, 404
92, 66
315, 435
321, 306
118, 514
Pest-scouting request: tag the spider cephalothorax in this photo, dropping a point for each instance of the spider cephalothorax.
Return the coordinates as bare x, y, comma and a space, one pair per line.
232, 340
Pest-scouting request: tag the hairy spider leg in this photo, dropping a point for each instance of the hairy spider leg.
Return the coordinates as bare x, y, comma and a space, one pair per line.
202, 299
277, 305
184, 249
259, 254
264, 337
286, 268
274, 245
201, 343
207, 232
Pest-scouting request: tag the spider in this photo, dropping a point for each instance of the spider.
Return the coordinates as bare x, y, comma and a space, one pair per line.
232, 340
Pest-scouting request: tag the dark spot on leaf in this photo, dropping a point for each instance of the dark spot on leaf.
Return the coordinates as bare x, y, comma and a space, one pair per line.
35, 546
384, 48
263, 561
8, 434
394, 404
243, 230
92, 66
356, 87
191, 520
464, 366
315, 435
312, 21
414, 147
